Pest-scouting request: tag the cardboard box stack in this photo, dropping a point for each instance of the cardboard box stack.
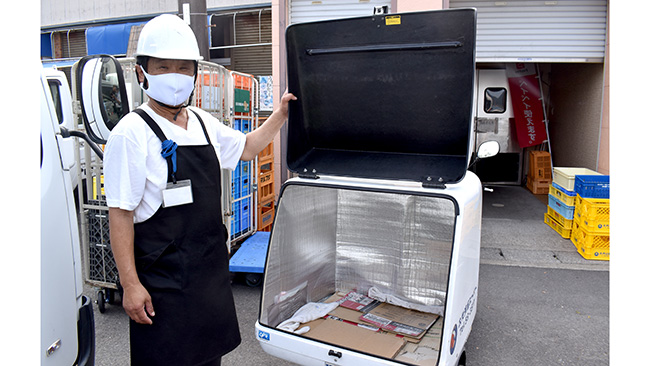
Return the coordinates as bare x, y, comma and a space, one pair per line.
539, 172
380, 328
577, 210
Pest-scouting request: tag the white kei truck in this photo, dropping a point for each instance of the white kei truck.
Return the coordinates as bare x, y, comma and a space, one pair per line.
67, 321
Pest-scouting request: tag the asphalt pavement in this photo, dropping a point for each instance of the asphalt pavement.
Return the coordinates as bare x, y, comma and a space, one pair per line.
539, 302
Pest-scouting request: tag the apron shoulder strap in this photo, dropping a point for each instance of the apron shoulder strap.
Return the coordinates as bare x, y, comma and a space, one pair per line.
205, 132
156, 129
153, 125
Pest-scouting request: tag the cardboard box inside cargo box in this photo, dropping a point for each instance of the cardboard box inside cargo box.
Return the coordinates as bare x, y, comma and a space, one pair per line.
388, 317
351, 336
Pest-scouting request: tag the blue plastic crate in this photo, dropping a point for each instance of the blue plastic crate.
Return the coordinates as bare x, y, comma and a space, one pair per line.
245, 222
236, 124
245, 187
560, 207
235, 227
245, 205
245, 126
236, 188
592, 186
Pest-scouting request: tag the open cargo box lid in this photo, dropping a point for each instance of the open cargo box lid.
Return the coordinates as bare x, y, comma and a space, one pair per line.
383, 97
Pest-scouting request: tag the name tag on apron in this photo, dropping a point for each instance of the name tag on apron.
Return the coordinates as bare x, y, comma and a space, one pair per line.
178, 194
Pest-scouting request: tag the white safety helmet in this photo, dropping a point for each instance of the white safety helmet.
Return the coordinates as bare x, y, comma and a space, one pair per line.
168, 36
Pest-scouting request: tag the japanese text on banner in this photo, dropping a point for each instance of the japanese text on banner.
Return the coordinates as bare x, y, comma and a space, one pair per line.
526, 104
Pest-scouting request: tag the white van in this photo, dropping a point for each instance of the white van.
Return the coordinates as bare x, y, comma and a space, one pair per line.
67, 322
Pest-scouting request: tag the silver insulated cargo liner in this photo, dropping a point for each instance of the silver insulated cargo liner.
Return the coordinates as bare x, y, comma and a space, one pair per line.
327, 240
411, 252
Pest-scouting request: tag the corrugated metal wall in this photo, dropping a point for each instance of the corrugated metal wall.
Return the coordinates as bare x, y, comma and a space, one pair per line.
539, 31
309, 10
253, 28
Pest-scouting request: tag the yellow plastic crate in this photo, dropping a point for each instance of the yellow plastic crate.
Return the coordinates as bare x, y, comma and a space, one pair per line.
590, 245
565, 177
95, 186
563, 231
561, 196
592, 214
563, 221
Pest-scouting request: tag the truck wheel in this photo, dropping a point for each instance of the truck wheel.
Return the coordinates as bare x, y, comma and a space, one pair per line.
101, 301
253, 279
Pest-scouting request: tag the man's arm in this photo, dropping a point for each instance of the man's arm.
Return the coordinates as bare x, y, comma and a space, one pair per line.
262, 136
136, 298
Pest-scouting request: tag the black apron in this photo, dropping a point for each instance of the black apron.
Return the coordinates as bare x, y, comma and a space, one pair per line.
182, 260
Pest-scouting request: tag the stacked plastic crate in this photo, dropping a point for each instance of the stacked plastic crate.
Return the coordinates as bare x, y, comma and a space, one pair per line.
567, 209
244, 118
265, 188
590, 232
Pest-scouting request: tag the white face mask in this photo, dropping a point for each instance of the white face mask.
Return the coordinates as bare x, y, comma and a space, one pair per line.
171, 89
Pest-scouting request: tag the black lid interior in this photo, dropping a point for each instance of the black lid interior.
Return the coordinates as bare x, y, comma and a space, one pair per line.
385, 97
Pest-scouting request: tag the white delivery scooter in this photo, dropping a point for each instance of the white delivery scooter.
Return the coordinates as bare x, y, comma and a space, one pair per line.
384, 219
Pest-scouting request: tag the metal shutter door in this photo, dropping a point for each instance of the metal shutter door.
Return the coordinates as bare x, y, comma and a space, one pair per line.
539, 31
309, 10
253, 28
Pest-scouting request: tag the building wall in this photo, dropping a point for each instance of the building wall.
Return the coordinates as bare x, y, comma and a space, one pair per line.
55, 12
603, 155
575, 116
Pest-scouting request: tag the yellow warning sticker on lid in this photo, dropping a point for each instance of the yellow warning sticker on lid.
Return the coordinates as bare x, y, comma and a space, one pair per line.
393, 20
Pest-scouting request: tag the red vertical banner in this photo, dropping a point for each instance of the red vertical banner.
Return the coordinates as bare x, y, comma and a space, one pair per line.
526, 104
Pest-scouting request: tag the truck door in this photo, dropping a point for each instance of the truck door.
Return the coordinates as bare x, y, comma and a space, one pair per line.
59, 301
494, 120
62, 99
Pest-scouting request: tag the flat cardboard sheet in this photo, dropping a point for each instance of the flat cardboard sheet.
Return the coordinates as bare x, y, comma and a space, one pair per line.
400, 320
358, 338
426, 352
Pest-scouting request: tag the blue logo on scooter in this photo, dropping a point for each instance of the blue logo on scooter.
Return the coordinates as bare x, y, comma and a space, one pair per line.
263, 335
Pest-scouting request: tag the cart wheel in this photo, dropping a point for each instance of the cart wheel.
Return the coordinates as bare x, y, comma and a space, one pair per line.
253, 279
111, 296
101, 302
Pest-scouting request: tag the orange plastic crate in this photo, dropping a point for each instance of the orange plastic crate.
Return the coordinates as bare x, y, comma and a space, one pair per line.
539, 165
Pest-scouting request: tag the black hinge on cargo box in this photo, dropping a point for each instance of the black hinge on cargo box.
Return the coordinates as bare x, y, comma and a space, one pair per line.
308, 174
430, 182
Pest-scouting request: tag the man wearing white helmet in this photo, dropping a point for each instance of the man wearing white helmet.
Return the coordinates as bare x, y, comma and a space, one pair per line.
162, 169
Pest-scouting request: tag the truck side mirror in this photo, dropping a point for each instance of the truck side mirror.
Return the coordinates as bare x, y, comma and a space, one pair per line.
102, 93
488, 149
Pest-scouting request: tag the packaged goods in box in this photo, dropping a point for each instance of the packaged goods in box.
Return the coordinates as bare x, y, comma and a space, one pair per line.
592, 186
559, 218
565, 177
564, 196
589, 244
592, 214
561, 208
565, 232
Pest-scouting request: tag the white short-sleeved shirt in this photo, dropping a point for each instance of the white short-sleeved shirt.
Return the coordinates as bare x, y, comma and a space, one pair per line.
135, 173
